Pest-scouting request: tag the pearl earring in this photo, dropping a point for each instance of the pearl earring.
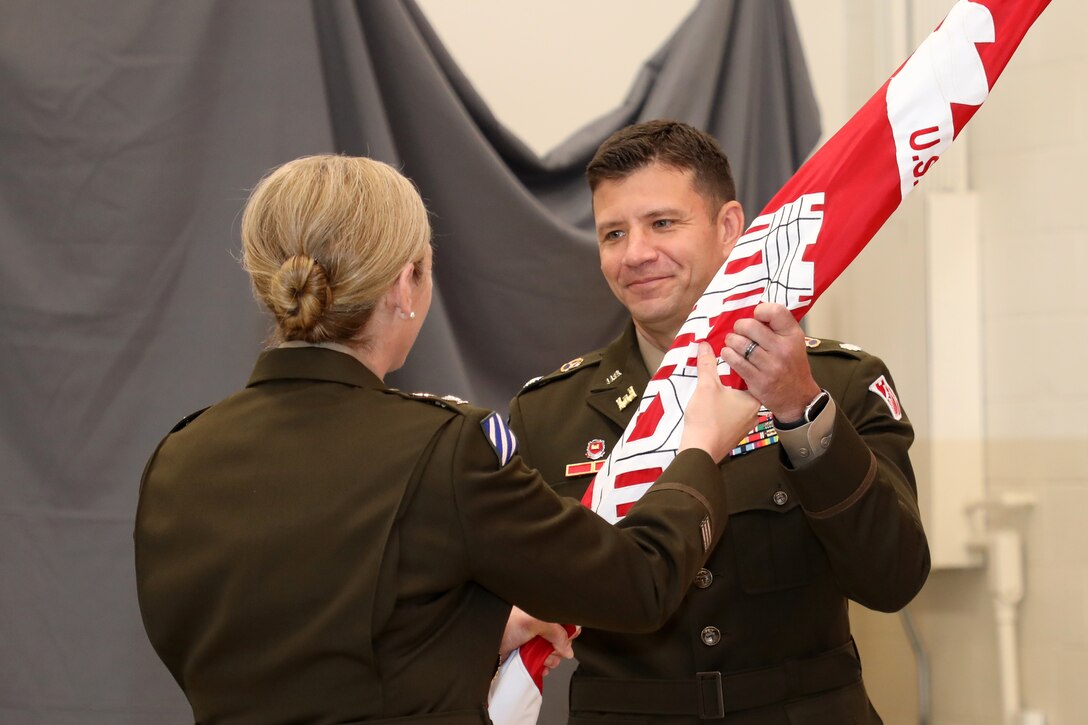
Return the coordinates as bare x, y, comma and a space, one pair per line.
411, 315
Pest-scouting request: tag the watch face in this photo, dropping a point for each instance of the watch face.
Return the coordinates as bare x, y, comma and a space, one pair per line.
817, 406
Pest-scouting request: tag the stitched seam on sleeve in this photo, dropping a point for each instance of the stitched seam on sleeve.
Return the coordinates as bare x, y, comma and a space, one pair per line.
689, 491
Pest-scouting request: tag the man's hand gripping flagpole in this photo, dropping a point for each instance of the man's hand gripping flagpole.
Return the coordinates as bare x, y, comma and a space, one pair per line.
805, 237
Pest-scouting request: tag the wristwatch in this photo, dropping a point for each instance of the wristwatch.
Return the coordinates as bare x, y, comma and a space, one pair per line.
812, 410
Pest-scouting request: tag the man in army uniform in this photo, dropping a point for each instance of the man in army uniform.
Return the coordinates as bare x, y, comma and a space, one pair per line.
823, 503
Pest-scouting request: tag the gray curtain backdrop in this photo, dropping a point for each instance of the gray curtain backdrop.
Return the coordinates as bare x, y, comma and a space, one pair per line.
129, 135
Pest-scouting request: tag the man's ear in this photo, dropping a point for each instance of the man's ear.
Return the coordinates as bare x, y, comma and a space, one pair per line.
730, 223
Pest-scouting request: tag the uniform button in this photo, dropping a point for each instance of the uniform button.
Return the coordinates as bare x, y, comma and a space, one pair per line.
825, 441
803, 452
703, 578
781, 497
710, 636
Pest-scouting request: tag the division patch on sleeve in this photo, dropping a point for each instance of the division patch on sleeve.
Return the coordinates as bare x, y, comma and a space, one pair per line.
500, 437
883, 388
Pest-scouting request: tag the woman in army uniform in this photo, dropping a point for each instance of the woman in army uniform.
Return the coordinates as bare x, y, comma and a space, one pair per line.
321, 548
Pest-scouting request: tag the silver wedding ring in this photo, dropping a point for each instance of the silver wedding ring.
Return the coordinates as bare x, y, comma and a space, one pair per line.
748, 350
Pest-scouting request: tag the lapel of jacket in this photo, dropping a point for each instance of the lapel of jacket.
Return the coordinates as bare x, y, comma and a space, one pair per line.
616, 396
312, 363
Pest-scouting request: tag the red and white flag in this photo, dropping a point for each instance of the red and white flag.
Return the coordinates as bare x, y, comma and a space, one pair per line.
812, 229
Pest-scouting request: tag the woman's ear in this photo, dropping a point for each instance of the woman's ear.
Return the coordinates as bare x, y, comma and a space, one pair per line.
399, 297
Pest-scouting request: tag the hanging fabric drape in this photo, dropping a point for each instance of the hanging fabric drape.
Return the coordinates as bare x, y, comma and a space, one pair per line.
128, 142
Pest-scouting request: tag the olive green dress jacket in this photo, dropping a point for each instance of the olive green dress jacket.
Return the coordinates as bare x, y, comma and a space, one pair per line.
319, 548
762, 636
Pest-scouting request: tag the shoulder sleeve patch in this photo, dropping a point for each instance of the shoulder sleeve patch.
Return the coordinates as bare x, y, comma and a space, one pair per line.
883, 388
500, 437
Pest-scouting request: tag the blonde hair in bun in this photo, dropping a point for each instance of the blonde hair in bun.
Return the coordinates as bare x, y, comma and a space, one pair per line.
323, 237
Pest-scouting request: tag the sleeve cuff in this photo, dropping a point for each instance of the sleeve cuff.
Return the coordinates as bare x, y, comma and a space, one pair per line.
806, 443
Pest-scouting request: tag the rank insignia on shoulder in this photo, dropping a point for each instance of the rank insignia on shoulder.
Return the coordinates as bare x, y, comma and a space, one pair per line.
500, 437
530, 381
812, 342
850, 346
583, 469
883, 388
571, 365
595, 449
443, 401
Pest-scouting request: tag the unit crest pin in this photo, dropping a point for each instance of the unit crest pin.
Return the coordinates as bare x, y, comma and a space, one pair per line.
571, 365
595, 449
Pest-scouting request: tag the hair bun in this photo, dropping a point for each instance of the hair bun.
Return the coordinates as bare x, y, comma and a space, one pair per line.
300, 294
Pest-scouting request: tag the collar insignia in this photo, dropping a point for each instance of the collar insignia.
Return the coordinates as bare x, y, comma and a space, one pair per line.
613, 377
627, 398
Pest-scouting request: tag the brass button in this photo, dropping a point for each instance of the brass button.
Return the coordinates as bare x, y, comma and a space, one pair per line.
703, 578
710, 636
781, 497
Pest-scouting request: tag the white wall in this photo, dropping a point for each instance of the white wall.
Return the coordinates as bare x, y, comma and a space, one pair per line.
548, 68
1023, 155
554, 66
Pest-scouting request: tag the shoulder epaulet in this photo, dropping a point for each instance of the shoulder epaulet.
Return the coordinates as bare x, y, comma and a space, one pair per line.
585, 362
450, 402
818, 346
187, 420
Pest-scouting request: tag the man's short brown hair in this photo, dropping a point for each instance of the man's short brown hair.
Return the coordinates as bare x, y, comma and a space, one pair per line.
671, 143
